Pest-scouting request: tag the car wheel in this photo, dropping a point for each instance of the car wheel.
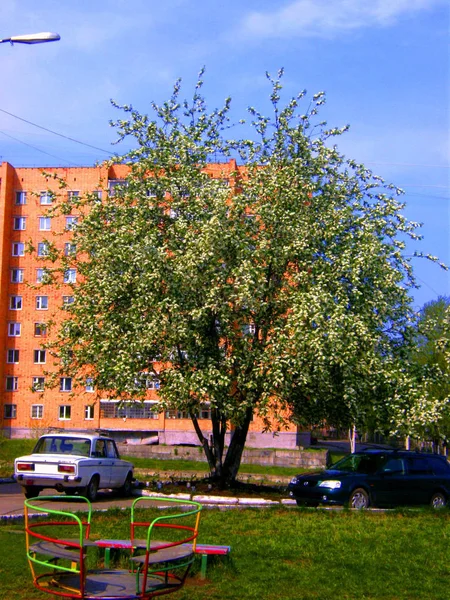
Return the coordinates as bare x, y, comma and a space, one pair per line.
359, 499
438, 500
31, 491
91, 490
125, 490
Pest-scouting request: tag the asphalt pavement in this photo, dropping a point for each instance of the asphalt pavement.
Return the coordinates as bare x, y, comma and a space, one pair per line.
12, 498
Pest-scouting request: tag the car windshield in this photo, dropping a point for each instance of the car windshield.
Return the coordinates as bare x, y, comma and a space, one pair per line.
63, 445
360, 463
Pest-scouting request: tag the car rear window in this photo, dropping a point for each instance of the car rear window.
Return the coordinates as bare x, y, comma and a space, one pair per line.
63, 445
439, 466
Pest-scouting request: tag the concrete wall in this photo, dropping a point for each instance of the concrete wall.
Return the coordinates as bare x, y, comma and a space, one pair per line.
255, 456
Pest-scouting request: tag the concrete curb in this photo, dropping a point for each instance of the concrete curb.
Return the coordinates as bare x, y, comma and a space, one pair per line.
220, 501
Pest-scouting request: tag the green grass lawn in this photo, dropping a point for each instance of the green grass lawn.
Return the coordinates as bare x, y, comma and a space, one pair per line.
11, 449
290, 554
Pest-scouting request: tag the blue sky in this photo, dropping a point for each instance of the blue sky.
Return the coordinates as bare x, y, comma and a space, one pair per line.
384, 65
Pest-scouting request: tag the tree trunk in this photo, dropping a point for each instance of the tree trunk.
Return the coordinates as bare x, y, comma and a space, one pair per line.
352, 438
235, 449
224, 472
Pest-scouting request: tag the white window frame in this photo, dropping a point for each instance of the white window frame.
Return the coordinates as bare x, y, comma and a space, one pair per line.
40, 356
40, 274
70, 276
37, 411
41, 302
70, 249
64, 412
19, 223
43, 328
18, 249
89, 412
46, 198
71, 223
38, 384
15, 303
20, 198
12, 356
89, 385
11, 383
45, 223
16, 275
65, 384
43, 249
67, 300
10, 411
14, 329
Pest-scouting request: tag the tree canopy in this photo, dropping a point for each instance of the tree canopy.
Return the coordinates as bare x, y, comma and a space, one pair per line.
421, 400
284, 286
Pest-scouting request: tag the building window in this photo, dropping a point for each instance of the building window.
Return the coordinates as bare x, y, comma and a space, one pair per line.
40, 329
65, 384
19, 223
10, 411
64, 412
97, 194
15, 302
249, 329
12, 356
39, 357
71, 222
70, 276
37, 411
12, 384
89, 384
205, 413
72, 194
114, 183
67, 300
70, 249
14, 329
43, 276
38, 384
152, 383
16, 275
21, 198
89, 412
45, 223
46, 198
177, 414
42, 249
129, 410
18, 249
41, 302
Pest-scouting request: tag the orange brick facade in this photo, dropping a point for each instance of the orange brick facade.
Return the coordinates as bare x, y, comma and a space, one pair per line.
25, 307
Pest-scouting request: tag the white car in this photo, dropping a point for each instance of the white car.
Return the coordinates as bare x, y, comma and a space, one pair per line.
79, 463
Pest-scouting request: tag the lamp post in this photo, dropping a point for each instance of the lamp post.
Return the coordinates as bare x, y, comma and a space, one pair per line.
33, 38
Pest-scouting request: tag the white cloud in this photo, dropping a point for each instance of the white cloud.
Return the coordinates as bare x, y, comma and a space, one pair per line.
325, 18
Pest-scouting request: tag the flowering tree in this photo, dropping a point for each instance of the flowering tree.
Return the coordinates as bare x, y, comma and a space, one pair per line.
283, 287
420, 405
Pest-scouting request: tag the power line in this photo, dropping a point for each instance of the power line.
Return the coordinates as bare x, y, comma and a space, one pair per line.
55, 133
38, 149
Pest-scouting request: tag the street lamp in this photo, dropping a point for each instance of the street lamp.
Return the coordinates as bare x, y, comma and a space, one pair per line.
33, 38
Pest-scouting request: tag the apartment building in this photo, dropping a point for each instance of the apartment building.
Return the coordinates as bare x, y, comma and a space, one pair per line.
26, 408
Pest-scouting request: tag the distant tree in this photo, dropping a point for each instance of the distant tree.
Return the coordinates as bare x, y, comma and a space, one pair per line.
422, 409
285, 290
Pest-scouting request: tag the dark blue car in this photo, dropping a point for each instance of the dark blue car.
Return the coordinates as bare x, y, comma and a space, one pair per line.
377, 478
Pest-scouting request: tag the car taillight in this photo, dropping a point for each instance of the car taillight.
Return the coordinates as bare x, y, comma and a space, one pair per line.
25, 466
66, 468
